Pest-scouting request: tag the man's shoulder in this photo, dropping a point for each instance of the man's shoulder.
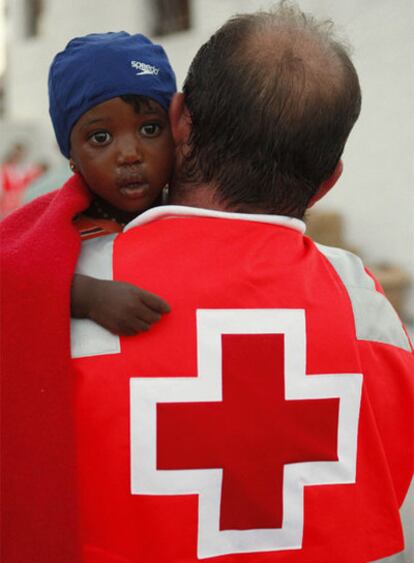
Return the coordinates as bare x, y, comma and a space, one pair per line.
349, 267
375, 318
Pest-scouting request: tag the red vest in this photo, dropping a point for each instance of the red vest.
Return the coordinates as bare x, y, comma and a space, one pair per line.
265, 419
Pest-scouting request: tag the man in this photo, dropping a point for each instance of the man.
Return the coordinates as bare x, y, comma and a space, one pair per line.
267, 417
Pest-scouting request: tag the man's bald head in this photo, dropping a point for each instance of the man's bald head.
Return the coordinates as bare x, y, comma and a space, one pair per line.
272, 98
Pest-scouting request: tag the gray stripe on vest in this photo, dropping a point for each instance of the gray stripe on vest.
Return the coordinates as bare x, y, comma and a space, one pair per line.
375, 318
398, 558
87, 337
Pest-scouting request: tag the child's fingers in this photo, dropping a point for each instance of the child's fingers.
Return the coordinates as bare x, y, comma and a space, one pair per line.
145, 314
134, 326
154, 302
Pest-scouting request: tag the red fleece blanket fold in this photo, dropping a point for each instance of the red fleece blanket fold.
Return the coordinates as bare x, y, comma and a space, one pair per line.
39, 250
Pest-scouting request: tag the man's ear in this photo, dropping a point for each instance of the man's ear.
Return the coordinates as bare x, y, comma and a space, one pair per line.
180, 120
327, 184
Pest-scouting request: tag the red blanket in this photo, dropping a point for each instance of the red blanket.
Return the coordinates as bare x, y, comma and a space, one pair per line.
39, 250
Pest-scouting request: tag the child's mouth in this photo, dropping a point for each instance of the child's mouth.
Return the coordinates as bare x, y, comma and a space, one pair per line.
134, 190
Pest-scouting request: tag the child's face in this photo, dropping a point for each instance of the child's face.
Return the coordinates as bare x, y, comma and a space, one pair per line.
125, 157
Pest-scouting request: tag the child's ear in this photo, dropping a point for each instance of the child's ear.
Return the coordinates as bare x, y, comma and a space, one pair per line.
72, 165
327, 184
180, 119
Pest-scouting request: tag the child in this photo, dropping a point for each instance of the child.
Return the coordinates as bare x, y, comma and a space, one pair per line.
121, 152
109, 97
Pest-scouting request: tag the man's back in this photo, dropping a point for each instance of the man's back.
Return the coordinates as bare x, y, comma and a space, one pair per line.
263, 417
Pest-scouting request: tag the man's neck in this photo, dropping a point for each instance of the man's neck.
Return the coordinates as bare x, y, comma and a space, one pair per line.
198, 196
205, 197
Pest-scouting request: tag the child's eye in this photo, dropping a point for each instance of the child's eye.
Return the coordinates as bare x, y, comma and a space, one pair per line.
100, 138
150, 129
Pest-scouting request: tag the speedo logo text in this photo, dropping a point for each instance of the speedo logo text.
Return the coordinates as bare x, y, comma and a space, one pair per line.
144, 68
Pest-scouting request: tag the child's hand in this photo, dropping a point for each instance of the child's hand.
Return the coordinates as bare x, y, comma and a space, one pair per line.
121, 308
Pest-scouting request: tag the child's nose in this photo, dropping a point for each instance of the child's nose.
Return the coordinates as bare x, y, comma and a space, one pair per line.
129, 151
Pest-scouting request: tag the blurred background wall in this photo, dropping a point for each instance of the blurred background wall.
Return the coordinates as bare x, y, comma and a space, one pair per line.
375, 196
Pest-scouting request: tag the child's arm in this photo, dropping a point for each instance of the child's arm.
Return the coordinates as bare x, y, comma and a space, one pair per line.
121, 308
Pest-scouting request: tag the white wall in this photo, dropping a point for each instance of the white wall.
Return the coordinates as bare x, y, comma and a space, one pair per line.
376, 191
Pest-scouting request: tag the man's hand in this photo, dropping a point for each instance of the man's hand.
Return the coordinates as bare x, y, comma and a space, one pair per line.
121, 308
